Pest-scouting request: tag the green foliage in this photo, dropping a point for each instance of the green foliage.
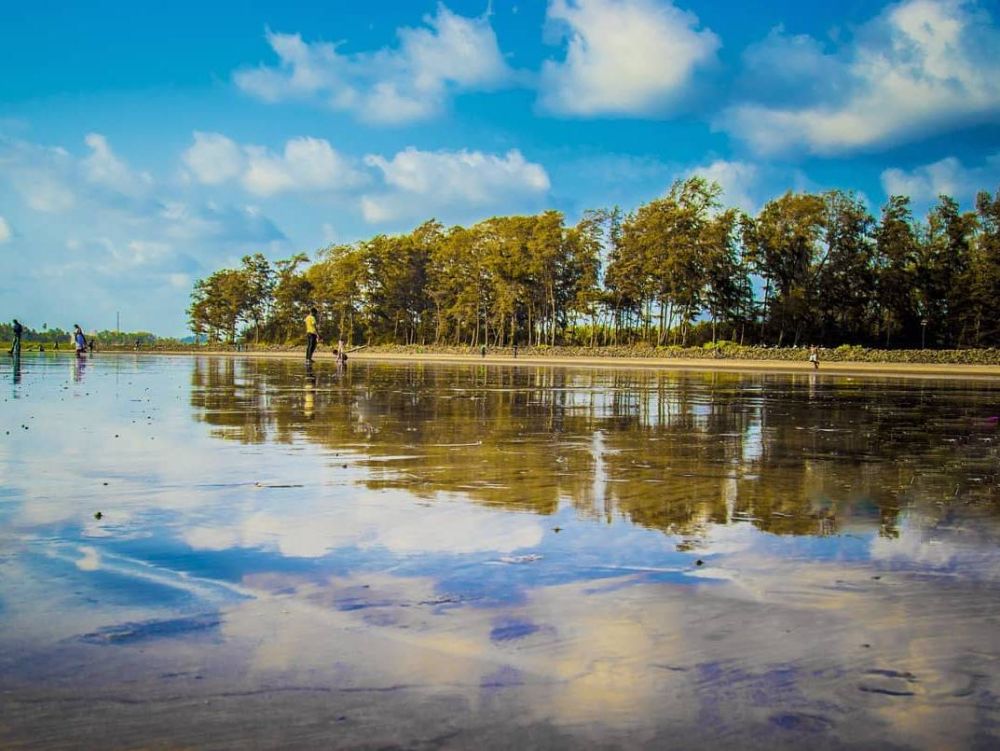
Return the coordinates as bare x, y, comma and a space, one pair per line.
680, 270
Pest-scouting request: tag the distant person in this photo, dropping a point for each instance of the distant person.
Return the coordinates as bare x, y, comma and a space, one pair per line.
15, 347
79, 340
814, 357
312, 336
482, 351
137, 343
515, 351
91, 346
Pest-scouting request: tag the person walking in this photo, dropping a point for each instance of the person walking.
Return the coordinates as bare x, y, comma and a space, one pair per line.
814, 357
79, 340
15, 347
312, 336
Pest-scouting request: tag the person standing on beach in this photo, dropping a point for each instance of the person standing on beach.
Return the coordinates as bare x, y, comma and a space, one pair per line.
312, 337
814, 357
79, 340
15, 347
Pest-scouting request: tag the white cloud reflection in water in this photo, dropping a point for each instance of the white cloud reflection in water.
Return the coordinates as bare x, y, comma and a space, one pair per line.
299, 565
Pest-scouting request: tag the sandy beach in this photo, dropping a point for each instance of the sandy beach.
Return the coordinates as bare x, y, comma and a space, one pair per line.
839, 368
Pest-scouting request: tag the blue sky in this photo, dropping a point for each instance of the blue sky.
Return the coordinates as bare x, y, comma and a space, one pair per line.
145, 145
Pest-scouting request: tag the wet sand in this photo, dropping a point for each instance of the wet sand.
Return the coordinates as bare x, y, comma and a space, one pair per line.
859, 369
453, 556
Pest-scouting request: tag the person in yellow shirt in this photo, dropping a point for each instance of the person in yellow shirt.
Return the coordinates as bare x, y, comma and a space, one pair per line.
312, 336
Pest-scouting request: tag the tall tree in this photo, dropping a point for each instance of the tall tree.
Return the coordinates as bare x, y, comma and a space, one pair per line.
260, 282
783, 243
844, 278
895, 267
293, 294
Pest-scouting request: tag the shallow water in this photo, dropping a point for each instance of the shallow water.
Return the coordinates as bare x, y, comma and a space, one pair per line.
455, 555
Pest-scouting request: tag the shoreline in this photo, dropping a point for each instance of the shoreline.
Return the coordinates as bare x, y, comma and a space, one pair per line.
790, 367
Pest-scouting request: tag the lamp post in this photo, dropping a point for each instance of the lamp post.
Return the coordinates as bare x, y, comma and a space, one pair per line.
923, 333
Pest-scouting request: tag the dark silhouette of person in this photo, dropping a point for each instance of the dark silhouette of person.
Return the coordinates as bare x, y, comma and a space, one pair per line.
15, 347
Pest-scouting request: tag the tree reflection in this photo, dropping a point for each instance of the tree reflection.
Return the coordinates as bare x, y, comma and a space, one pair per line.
666, 450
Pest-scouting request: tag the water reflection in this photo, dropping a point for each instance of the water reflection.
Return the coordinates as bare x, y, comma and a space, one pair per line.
678, 452
212, 550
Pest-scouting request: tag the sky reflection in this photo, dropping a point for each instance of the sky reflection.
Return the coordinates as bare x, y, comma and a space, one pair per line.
603, 551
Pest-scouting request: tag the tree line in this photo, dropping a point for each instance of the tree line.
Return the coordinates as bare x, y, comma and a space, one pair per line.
681, 269
56, 335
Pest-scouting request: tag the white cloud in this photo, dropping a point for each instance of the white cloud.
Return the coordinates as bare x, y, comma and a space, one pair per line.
183, 221
304, 69
400, 527
5, 233
413, 81
626, 57
921, 67
102, 167
45, 192
946, 176
425, 181
306, 164
213, 158
738, 181
40, 174
783, 69
123, 238
53, 181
